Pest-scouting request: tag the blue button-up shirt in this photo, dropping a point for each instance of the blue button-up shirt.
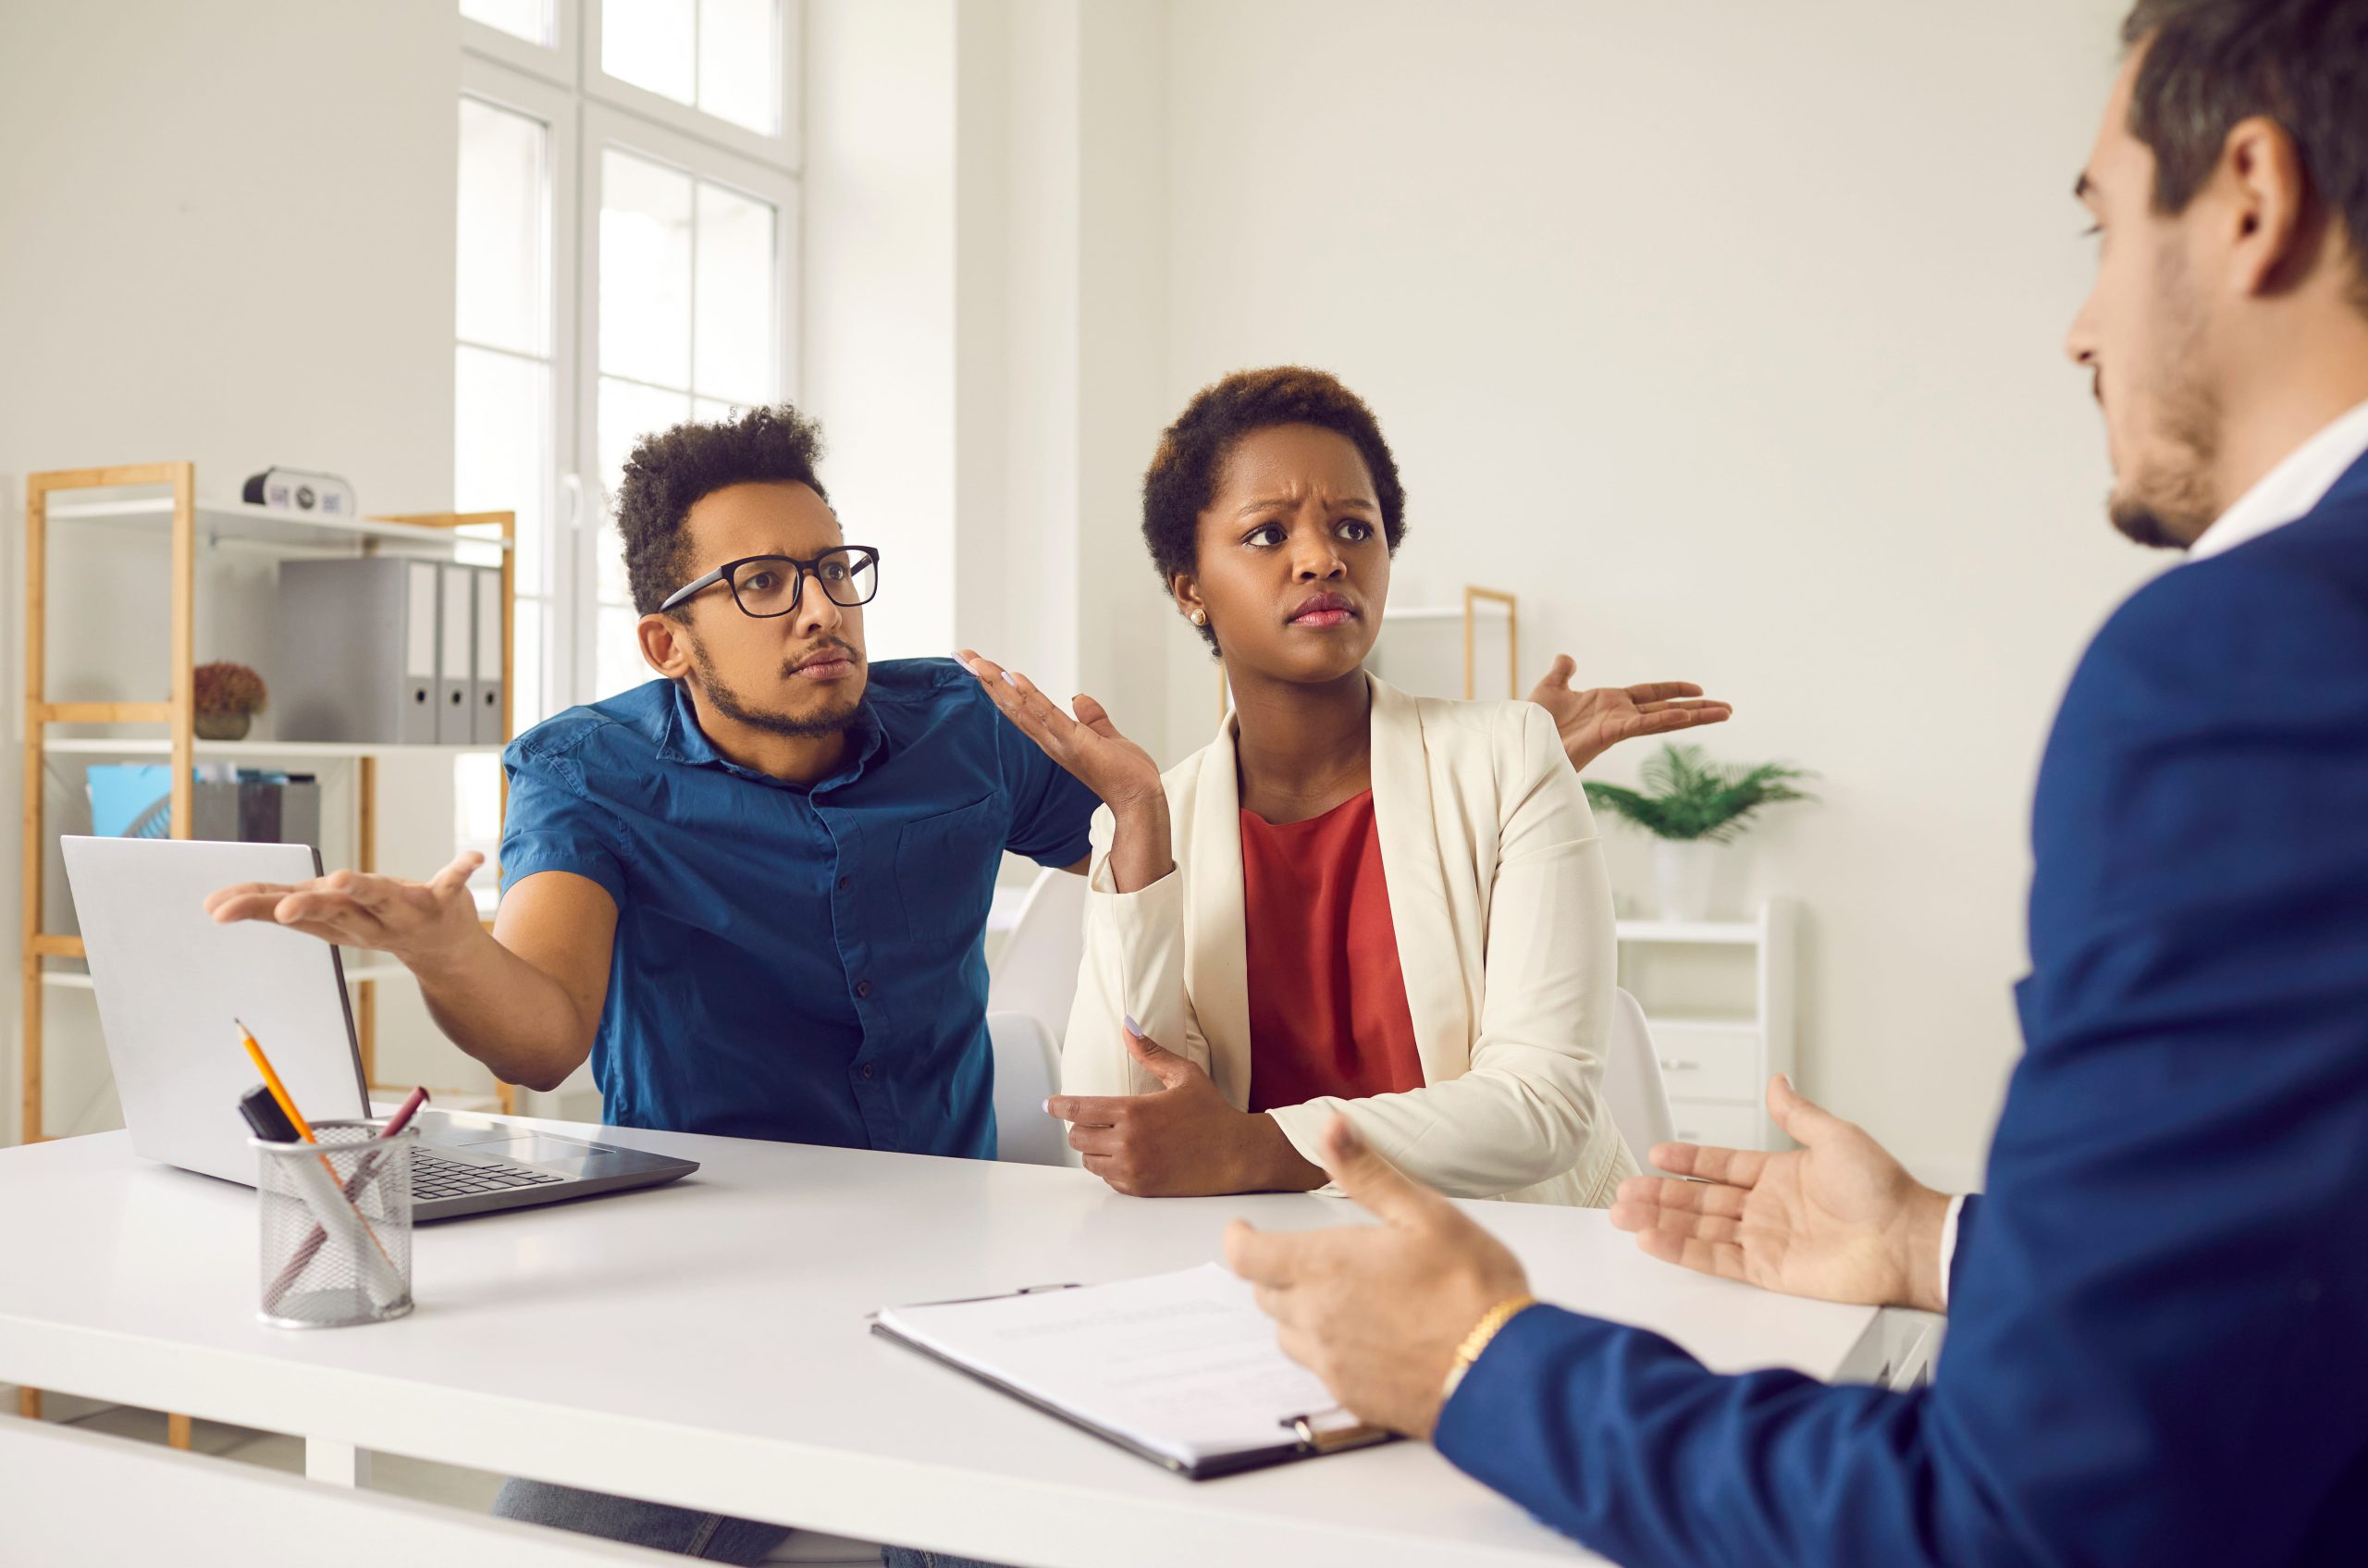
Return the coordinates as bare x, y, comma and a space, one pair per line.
795, 962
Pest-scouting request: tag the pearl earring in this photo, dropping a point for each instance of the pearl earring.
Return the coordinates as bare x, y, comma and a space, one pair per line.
1200, 617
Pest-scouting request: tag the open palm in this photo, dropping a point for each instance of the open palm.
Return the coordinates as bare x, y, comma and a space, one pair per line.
1087, 743
1838, 1219
1592, 721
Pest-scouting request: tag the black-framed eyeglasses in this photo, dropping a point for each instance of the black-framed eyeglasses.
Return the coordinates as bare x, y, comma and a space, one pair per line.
767, 586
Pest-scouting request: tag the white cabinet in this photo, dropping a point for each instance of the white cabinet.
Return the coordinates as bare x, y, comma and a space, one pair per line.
1719, 996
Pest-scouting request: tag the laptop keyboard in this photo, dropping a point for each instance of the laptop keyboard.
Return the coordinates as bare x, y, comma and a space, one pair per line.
433, 1176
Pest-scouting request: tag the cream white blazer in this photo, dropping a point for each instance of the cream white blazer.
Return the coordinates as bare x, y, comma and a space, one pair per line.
1504, 925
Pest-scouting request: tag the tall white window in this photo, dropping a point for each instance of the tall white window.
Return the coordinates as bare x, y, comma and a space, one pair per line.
626, 246
687, 255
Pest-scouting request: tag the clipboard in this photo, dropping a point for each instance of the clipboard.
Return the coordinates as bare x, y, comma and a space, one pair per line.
1309, 1436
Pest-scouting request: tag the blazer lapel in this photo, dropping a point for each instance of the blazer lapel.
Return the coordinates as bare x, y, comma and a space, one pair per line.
1411, 829
1216, 958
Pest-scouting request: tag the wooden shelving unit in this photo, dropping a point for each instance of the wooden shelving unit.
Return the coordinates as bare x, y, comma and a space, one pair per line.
1717, 1063
196, 526
166, 495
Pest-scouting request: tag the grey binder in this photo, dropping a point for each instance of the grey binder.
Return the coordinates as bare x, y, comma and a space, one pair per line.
356, 658
456, 645
484, 727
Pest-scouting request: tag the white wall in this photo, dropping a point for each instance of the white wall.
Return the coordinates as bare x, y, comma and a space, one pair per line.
879, 296
1725, 333
226, 235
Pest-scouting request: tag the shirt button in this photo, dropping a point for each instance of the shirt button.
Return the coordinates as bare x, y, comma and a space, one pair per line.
844, 881
867, 1071
862, 990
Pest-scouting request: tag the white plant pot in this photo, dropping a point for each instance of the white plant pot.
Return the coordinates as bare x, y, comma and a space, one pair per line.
1684, 873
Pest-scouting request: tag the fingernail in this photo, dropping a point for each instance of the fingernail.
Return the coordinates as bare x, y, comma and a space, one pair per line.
1048, 1108
1008, 678
1133, 1028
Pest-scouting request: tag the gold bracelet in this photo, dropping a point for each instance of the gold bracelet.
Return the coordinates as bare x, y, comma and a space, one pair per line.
1494, 1319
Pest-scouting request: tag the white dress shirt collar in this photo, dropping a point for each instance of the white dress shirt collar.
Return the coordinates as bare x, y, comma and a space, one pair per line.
2292, 489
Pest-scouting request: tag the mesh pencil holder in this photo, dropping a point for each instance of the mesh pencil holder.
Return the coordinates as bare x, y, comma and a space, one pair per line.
336, 1225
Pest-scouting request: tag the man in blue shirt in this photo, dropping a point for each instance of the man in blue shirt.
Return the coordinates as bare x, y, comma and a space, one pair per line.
754, 891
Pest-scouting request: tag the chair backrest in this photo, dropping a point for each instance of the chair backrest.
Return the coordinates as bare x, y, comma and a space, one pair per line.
1035, 971
81, 1497
1632, 1089
1027, 1071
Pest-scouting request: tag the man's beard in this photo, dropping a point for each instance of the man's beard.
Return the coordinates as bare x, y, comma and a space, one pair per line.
733, 706
2169, 503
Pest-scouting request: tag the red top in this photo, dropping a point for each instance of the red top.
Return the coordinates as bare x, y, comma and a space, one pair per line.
1327, 999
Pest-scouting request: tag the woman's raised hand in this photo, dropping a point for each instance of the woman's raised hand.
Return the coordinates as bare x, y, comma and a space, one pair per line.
1088, 744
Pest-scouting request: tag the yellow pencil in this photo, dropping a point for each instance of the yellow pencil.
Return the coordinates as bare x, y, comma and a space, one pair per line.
278, 1090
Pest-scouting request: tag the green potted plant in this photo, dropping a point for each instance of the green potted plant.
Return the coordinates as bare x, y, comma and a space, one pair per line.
228, 697
1690, 806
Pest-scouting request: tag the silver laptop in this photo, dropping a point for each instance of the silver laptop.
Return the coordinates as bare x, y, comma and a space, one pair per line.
169, 982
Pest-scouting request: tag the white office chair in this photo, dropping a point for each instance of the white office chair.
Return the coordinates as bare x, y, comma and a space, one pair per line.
1035, 971
1633, 1090
1027, 1070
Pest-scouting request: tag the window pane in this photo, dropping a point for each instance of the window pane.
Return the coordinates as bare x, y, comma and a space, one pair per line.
735, 333
627, 413
617, 657
645, 270
740, 62
503, 255
529, 19
651, 44
501, 456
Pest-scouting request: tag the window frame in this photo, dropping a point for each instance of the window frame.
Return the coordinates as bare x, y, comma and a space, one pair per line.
604, 127
555, 110
556, 63
584, 110
781, 152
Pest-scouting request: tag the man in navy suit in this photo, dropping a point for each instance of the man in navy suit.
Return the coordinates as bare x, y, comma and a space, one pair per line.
2158, 1346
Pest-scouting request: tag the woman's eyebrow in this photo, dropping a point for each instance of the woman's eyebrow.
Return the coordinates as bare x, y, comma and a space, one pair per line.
1267, 503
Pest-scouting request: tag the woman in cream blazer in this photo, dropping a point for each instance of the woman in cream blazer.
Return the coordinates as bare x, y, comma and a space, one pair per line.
1441, 847
1504, 922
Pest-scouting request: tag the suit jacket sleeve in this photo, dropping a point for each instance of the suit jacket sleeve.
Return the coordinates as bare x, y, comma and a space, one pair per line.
1134, 956
2154, 1349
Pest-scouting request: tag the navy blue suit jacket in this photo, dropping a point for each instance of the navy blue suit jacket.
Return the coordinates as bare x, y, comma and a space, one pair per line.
2158, 1341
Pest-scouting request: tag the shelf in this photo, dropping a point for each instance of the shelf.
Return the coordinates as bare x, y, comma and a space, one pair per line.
377, 966
1705, 934
158, 746
241, 520
1727, 1024
1439, 611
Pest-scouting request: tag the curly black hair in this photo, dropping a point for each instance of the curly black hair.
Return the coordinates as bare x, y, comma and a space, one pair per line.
670, 471
1182, 479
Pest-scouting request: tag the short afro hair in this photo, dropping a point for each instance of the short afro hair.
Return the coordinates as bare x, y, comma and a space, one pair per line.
1182, 479
671, 471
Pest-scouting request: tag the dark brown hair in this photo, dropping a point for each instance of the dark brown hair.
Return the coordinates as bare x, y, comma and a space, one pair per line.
2212, 64
1182, 479
670, 471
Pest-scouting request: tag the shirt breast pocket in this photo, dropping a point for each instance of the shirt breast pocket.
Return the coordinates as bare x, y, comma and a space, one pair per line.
945, 873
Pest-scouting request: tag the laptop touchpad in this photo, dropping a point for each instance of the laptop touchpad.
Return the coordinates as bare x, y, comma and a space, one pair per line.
547, 1153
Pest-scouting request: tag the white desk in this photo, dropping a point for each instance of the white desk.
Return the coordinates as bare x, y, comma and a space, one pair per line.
705, 1344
